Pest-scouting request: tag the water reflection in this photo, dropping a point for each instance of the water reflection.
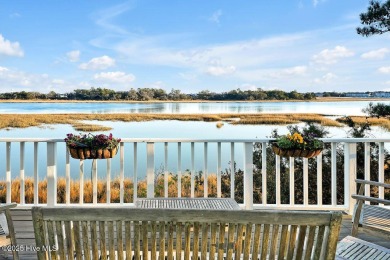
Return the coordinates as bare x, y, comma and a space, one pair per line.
331, 108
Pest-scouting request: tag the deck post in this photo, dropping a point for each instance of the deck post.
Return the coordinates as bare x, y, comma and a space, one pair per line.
350, 175
51, 173
248, 175
8, 170
150, 169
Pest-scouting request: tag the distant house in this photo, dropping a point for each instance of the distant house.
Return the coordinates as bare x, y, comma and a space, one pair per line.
381, 94
358, 94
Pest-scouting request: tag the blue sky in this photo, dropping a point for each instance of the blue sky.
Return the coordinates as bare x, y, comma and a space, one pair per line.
193, 45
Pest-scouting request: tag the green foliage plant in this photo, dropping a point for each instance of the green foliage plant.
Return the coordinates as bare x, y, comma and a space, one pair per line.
305, 138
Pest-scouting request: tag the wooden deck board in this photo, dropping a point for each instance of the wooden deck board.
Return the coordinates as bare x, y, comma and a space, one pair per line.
25, 234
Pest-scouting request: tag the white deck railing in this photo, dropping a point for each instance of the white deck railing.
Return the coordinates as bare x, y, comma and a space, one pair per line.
241, 150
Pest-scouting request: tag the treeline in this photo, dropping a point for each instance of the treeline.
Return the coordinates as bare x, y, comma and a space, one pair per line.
150, 94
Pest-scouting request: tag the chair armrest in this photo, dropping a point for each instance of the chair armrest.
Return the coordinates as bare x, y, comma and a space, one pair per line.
375, 183
4, 207
371, 199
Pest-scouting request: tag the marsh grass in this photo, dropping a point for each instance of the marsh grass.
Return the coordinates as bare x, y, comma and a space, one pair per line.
90, 127
382, 122
75, 120
102, 189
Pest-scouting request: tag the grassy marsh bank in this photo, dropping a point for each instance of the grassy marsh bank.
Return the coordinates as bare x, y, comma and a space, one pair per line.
75, 120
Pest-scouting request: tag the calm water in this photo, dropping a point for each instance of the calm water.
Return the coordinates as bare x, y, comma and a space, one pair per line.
329, 108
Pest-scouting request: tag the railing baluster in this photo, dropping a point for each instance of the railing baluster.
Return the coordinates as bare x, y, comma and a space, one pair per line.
264, 173
179, 169
36, 177
8, 170
277, 179
205, 172
94, 181
248, 175
51, 173
135, 170
121, 172
367, 170
381, 170
22, 185
305, 182
232, 170
192, 173
292, 181
150, 169
108, 182
166, 170
67, 176
333, 174
219, 167
81, 173
319, 179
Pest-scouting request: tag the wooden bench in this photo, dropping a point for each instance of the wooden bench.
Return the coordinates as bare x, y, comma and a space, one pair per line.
127, 232
371, 216
7, 232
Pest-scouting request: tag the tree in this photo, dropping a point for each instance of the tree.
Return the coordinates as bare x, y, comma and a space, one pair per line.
378, 110
376, 19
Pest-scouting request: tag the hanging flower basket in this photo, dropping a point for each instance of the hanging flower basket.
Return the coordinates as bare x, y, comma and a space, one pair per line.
92, 146
88, 153
298, 143
295, 152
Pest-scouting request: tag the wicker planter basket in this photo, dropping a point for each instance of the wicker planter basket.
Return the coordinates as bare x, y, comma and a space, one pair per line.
295, 152
88, 153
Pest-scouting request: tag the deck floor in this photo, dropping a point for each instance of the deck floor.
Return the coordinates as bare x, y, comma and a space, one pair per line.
25, 234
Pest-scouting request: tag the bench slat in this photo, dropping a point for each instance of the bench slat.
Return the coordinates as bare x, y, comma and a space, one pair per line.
129, 252
274, 241
61, 247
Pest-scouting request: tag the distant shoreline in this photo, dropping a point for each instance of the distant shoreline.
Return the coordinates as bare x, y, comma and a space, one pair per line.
319, 99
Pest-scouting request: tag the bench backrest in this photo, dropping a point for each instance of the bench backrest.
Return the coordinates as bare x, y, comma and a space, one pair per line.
94, 233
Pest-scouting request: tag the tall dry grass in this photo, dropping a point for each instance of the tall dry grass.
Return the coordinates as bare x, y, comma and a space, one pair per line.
27, 120
102, 189
382, 122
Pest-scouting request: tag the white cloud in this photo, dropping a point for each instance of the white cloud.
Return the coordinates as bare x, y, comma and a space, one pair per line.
215, 16
73, 56
99, 63
384, 70
14, 15
58, 81
3, 69
331, 56
220, 70
105, 17
375, 54
317, 2
115, 76
325, 78
293, 71
10, 48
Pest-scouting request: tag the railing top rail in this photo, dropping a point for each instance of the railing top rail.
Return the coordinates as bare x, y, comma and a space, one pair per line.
187, 140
